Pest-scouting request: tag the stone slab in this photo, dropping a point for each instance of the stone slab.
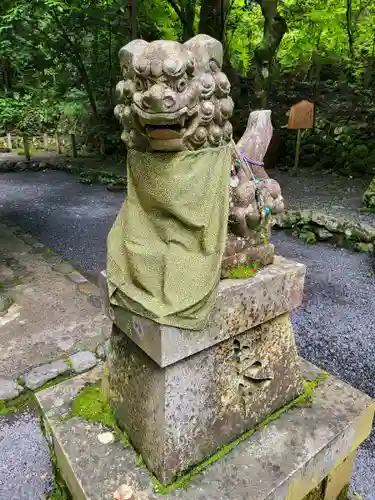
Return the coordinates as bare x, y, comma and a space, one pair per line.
49, 317
42, 374
178, 415
83, 361
288, 459
9, 389
241, 304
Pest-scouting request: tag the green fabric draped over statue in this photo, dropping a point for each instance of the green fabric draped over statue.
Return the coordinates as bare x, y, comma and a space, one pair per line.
166, 245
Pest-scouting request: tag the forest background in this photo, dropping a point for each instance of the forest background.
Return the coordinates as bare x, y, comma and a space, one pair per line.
59, 68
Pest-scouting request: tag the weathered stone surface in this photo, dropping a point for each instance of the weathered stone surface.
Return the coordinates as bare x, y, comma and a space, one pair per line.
63, 268
83, 361
95, 300
9, 389
159, 101
49, 318
369, 195
241, 305
336, 229
248, 256
87, 288
323, 234
178, 415
351, 228
42, 374
102, 350
5, 303
289, 458
77, 278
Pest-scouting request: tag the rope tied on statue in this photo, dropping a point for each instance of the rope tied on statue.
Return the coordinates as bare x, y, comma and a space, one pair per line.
242, 158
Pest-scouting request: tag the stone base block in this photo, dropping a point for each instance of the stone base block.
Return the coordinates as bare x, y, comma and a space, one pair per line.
305, 453
241, 305
178, 415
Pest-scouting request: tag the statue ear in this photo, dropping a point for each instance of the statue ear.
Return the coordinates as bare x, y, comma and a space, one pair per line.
207, 52
128, 52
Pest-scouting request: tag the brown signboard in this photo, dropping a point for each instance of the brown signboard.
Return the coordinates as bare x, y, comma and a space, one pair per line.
301, 115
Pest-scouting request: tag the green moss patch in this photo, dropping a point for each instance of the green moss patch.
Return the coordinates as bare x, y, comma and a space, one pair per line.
242, 272
90, 404
183, 480
24, 401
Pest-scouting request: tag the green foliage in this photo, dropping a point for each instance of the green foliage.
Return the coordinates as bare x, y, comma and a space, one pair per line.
59, 66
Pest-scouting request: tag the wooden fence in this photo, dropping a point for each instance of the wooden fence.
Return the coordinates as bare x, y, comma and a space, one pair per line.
32, 145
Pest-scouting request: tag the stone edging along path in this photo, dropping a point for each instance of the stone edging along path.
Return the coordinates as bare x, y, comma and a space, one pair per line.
312, 226
69, 365
39, 376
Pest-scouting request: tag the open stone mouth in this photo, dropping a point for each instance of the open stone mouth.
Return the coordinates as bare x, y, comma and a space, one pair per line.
157, 123
176, 127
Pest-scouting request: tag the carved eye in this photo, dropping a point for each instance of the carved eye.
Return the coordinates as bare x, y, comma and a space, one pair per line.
139, 84
181, 84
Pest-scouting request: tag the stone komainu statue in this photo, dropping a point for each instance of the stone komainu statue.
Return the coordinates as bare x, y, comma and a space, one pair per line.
175, 97
186, 179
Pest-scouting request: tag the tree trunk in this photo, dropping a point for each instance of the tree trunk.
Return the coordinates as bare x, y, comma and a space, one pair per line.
74, 146
76, 59
58, 145
274, 29
213, 17
186, 14
133, 17
26, 148
188, 25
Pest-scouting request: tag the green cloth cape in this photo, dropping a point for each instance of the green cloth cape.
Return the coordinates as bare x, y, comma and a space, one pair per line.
166, 245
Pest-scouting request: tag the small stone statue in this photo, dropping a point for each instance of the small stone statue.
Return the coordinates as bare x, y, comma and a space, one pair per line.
186, 180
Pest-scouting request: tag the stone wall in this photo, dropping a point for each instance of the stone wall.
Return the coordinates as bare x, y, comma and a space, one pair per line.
312, 226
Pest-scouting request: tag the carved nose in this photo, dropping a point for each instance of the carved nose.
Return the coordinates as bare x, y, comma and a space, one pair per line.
158, 99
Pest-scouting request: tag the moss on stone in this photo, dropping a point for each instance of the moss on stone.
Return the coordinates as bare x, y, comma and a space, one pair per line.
27, 399
242, 272
22, 402
183, 480
54, 381
59, 489
307, 236
91, 405
364, 247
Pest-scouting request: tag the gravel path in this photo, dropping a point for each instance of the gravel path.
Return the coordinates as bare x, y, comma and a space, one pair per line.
70, 218
334, 327
25, 469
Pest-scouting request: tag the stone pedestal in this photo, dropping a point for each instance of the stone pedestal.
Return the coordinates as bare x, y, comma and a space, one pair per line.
305, 453
180, 395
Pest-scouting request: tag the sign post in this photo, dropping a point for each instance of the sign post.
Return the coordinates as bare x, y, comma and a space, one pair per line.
301, 116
